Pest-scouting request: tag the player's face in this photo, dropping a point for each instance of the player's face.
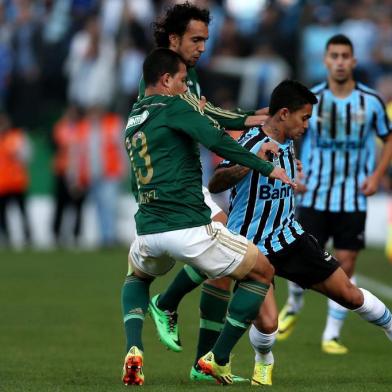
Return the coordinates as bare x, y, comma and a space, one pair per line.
297, 122
340, 62
176, 84
192, 44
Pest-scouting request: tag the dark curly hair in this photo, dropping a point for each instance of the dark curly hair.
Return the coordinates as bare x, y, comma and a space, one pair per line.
176, 21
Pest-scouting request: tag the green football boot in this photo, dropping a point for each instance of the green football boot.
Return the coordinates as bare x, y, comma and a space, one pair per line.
166, 325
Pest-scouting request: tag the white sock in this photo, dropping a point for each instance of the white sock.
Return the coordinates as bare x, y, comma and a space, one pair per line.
295, 301
262, 344
335, 319
375, 311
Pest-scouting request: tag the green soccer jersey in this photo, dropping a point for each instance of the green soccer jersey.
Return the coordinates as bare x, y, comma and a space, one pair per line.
161, 138
226, 119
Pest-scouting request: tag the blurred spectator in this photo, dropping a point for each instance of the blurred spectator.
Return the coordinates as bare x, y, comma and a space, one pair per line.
362, 31
5, 54
15, 153
130, 69
102, 136
314, 38
25, 89
56, 23
383, 46
91, 66
231, 42
71, 178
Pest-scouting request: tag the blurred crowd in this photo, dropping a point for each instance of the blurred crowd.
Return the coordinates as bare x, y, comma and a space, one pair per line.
70, 69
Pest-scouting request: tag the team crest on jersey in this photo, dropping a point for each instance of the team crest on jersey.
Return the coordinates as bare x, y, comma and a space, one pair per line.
137, 135
137, 120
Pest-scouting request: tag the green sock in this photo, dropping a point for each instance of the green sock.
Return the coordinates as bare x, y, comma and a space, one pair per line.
186, 280
135, 298
213, 308
243, 308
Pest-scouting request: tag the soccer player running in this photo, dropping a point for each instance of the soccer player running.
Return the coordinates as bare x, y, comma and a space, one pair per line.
184, 29
338, 156
173, 222
262, 209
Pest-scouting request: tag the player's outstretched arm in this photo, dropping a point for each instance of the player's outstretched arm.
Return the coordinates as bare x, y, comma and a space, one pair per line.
225, 178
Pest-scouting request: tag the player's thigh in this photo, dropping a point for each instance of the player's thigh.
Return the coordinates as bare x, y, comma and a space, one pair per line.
347, 259
147, 256
304, 262
316, 223
213, 249
348, 230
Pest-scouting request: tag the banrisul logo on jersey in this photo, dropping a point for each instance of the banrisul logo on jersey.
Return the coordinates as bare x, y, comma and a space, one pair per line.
137, 120
268, 192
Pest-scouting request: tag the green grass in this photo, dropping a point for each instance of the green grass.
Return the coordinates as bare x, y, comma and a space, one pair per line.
61, 330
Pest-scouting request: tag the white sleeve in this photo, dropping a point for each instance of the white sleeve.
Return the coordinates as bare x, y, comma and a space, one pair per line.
215, 209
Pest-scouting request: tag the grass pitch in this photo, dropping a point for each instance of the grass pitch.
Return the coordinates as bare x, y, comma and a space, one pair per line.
61, 330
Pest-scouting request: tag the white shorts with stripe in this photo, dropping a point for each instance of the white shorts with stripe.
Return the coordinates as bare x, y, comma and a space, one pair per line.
212, 249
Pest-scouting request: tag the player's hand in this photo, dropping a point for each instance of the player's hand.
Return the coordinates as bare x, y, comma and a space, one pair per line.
301, 187
256, 120
202, 103
266, 148
262, 111
370, 185
280, 174
298, 163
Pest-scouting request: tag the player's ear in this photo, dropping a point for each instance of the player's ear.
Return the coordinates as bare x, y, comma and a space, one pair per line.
165, 79
284, 114
174, 41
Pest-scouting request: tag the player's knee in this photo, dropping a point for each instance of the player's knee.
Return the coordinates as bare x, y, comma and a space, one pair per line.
221, 283
264, 267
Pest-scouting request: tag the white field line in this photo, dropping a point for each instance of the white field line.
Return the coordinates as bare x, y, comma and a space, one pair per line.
374, 286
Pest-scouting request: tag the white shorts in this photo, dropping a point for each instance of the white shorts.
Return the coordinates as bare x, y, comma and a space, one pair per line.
215, 209
212, 249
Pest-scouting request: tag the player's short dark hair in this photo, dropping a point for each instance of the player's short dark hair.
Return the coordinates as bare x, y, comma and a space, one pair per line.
292, 95
176, 21
159, 62
339, 39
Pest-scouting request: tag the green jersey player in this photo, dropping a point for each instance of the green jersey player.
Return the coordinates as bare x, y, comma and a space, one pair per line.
184, 29
173, 222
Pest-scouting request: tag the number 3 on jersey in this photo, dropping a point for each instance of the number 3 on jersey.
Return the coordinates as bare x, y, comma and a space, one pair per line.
139, 142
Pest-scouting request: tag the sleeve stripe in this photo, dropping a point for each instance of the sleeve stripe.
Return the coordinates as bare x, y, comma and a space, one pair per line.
194, 102
191, 102
221, 112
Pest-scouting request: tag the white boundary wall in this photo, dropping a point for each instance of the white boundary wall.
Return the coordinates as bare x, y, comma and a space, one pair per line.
40, 209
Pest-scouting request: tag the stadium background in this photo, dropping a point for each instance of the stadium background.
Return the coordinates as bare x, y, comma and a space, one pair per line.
60, 323
252, 46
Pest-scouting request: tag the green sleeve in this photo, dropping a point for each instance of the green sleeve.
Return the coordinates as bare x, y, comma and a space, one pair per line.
226, 119
185, 116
